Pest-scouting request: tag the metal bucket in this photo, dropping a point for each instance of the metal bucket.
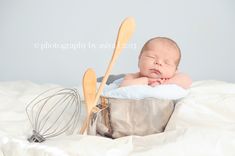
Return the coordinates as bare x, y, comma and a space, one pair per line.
122, 117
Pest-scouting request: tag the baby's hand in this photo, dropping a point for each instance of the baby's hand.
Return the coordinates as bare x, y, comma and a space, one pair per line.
155, 82
163, 80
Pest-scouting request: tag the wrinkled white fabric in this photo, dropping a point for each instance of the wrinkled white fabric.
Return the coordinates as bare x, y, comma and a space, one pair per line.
202, 125
208, 104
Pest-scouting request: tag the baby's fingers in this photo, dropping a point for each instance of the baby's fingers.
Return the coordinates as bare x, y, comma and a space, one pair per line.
155, 84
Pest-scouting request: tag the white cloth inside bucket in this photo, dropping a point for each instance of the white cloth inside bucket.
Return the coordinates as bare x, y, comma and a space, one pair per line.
168, 91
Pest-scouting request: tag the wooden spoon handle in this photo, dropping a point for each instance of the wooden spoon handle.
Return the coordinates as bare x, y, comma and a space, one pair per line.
124, 34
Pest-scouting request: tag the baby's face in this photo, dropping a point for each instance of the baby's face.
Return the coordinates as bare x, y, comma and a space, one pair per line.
158, 60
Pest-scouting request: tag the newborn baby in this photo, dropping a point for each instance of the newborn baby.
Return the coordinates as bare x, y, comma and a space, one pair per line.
158, 64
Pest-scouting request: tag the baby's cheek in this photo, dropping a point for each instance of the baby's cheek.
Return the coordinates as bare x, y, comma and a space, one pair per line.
168, 73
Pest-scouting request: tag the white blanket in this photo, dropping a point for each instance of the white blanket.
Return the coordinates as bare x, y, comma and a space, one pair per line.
203, 124
169, 91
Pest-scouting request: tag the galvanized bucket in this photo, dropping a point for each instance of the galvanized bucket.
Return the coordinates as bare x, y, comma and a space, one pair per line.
123, 117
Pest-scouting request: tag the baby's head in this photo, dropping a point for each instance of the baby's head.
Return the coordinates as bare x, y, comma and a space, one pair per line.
159, 58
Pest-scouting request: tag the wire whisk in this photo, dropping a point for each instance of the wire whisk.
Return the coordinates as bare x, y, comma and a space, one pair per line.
54, 112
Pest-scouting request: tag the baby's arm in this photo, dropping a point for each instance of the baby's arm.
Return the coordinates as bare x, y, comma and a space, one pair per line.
179, 79
134, 79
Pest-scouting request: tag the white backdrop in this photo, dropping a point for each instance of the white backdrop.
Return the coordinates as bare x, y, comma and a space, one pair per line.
56, 41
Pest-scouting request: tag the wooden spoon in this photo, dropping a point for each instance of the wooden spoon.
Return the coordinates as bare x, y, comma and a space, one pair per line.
125, 32
89, 91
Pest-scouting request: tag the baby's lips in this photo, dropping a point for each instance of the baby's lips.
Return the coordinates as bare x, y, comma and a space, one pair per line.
155, 71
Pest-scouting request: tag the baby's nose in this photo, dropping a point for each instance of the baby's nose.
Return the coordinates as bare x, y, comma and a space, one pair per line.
158, 63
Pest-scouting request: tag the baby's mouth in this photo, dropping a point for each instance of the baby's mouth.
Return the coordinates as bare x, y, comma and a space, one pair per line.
156, 71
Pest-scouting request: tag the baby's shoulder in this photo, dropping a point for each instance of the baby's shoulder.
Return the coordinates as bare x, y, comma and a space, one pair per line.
180, 74
132, 75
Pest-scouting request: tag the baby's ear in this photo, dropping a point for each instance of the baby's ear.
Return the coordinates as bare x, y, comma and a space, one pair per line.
139, 62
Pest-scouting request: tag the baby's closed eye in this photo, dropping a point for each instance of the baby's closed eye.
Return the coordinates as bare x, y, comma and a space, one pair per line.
149, 56
168, 62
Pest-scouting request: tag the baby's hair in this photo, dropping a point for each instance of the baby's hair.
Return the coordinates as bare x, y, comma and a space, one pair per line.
172, 42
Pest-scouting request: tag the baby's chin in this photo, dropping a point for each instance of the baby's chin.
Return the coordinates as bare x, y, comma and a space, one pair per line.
154, 76
151, 75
